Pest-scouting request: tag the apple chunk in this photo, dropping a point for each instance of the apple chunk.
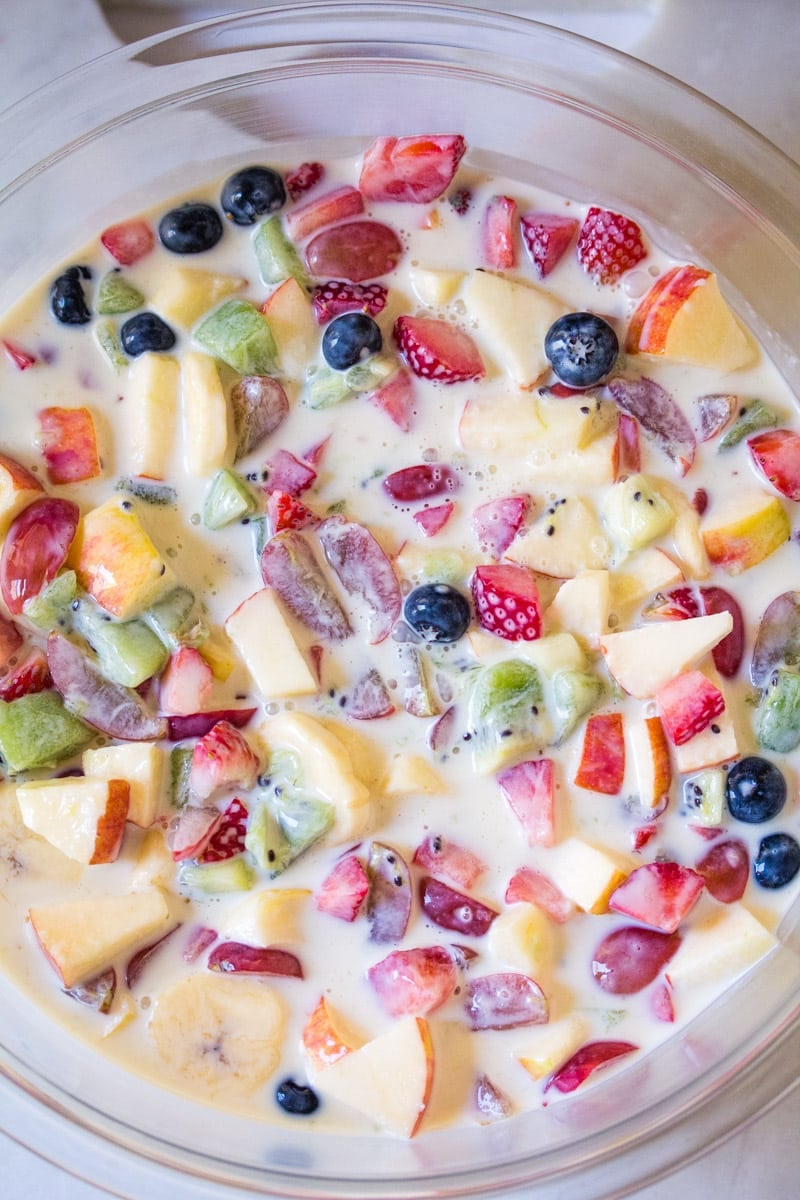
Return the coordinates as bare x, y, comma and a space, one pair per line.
18, 489
81, 938
643, 660
389, 1079
142, 765
277, 664
84, 818
745, 530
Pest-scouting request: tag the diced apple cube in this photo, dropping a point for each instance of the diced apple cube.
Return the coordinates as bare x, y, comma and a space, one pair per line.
290, 317
115, 560
643, 660
434, 286
185, 293
206, 418
651, 761
141, 764
744, 530
151, 411
566, 540
81, 938
522, 938
585, 874
549, 1047
410, 774
263, 635
154, 865
718, 947
511, 320
82, 817
581, 606
650, 571
267, 917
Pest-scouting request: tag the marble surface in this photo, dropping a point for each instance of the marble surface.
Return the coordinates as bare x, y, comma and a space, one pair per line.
732, 50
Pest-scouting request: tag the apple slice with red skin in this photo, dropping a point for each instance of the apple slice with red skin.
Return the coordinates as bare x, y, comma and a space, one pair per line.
68, 441
414, 982
364, 570
627, 960
334, 206
687, 601
659, 894
661, 1003
389, 896
584, 1062
109, 707
454, 910
325, 1037
241, 959
602, 764
529, 788
35, 549
505, 1000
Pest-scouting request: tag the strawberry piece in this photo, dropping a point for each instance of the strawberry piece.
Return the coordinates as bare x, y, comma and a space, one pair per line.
370, 699
227, 840
303, 178
69, 444
336, 205
659, 894
344, 889
285, 512
364, 570
315, 454
435, 349
676, 604
546, 237
642, 834
414, 981
395, 397
22, 359
661, 1003
412, 169
355, 251
602, 765
29, 676
585, 1062
529, 788
192, 831
186, 682
776, 453
128, 241
687, 705
221, 758
498, 248
533, 887
335, 297
432, 520
443, 857
628, 452
507, 601
497, 523
287, 473
609, 244
420, 482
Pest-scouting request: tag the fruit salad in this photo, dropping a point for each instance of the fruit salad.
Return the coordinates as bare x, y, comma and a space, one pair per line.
399, 690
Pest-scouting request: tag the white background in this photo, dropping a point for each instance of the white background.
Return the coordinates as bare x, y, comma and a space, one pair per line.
742, 53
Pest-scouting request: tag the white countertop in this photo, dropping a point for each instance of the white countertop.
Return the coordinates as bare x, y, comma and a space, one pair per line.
742, 54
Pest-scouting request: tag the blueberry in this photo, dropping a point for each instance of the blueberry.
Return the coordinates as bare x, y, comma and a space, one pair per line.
349, 339
67, 301
755, 790
143, 332
296, 1098
437, 612
250, 193
190, 229
777, 861
581, 348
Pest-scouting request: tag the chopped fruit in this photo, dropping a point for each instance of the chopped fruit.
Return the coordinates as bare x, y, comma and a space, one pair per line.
218, 878
581, 348
492, 1104
221, 759
18, 489
238, 334
116, 294
35, 549
434, 287
649, 571
498, 248
566, 540
629, 454
389, 896
659, 416
684, 318
412, 775
228, 499
420, 482
128, 241
128, 652
755, 790
97, 993
184, 294
356, 251
328, 209
444, 857
453, 910
433, 520
287, 473
687, 705
659, 894
779, 712
635, 513
370, 699
776, 453
364, 571
415, 169
186, 683
327, 1037
582, 606
192, 831
267, 917
719, 946
609, 244
507, 601
497, 523
533, 887
366, 1078
585, 1061
291, 321
278, 667
344, 889
152, 406
511, 320
725, 869
141, 765
438, 350
331, 299
276, 255
630, 959
82, 817
302, 179
22, 359
602, 765
284, 511
69, 444
205, 414
547, 237
37, 730
115, 560
288, 565
550, 1047
198, 724
704, 798
529, 788
585, 874
522, 938
137, 963
414, 982
228, 838
749, 419
715, 744
506, 717
29, 676
396, 398
778, 638
651, 759
505, 1000
644, 660
81, 938
777, 861
10, 642
715, 412
686, 601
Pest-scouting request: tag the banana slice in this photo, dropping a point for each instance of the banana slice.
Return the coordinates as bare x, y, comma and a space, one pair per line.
220, 1034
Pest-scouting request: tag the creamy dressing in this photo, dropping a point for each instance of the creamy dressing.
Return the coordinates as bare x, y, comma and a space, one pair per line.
362, 446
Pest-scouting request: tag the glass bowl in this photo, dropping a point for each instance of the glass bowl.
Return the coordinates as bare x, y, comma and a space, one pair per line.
175, 110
